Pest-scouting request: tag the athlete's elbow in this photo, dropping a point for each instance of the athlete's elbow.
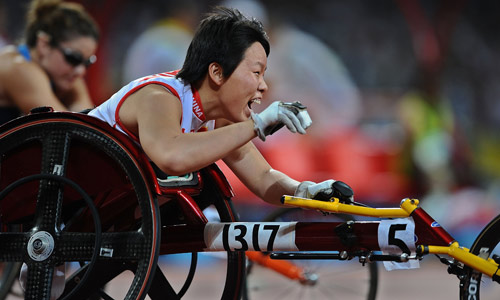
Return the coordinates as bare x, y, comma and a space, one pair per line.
173, 166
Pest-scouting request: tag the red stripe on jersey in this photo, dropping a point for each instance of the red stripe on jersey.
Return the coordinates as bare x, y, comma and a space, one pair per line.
117, 115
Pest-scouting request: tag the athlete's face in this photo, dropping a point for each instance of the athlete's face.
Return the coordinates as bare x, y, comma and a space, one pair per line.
246, 84
69, 60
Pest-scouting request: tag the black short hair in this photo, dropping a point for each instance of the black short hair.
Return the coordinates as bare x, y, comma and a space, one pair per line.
223, 36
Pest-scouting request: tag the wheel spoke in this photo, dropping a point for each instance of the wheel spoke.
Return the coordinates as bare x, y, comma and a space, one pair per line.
161, 288
76, 246
42, 154
55, 150
124, 245
10, 243
102, 271
39, 281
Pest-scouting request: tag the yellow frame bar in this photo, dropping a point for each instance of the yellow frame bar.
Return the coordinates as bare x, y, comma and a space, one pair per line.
407, 207
486, 266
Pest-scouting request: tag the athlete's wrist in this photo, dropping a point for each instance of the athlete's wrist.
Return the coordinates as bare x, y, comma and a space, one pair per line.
258, 131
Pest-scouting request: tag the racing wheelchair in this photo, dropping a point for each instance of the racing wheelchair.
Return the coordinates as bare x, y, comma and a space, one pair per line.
73, 189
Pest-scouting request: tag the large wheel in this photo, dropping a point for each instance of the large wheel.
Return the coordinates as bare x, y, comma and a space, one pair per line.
326, 278
474, 286
173, 279
76, 177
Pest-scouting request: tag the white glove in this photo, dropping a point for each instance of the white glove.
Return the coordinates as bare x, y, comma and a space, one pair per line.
293, 115
325, 190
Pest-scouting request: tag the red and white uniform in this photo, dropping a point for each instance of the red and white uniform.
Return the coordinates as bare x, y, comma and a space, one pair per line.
193, 117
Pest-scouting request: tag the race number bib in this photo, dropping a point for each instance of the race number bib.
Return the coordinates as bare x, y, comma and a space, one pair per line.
395, 237
245, 236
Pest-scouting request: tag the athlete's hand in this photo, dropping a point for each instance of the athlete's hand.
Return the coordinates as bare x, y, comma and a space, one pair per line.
292, 115
325, 190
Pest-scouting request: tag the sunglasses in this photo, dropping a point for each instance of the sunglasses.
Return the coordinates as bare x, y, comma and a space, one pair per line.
75, 58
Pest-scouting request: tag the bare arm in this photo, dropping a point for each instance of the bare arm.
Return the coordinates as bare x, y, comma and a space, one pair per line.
29, 87
79, 98
254, 171
155, 114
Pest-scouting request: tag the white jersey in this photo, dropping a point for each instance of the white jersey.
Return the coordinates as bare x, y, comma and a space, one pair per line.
193, 117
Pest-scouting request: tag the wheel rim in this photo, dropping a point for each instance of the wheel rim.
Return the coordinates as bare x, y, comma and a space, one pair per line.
56, 142
474, 285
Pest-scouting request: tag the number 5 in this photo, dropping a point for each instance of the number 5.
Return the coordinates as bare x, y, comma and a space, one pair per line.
395, 241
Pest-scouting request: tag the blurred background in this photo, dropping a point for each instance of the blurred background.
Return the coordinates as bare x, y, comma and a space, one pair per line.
404, 95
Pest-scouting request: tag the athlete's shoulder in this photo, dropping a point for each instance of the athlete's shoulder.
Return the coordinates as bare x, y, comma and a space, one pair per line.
13, 63
14, 68
166, 77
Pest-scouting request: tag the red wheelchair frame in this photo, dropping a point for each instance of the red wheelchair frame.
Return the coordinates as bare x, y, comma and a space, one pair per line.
64, 159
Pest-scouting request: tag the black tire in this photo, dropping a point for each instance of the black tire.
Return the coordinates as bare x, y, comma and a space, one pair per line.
80, 150
346, 279
181, 277
474, 286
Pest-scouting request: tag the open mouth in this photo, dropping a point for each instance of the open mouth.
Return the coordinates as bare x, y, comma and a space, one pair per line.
257, 101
